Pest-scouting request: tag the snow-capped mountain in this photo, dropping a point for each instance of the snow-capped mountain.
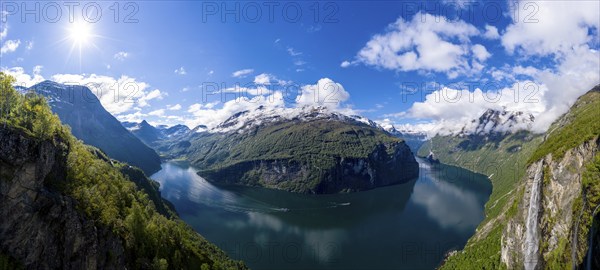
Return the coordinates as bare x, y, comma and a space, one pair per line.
150, 134
246, 120
174, 131
200, 128
496, 121
79, 108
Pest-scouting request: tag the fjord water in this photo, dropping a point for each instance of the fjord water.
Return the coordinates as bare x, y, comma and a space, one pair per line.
407, 226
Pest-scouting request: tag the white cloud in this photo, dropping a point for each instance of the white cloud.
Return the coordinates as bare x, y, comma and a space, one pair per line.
555, 27
175, 107
29, 45
491, 32
37, 70
269, 79
242, 73
3, 32
180, 71
160, 112
262, 79
132, 117
548, 95
450, 110
293, 52
211, 72
194, 107
345, 64
117, 95
578, 72
427, 42
211, 117
459, 4
564, 31
154, 94
244, 91
299, 62
480, 52
197, 106
10, 46
121, 56
325, 93
24, 79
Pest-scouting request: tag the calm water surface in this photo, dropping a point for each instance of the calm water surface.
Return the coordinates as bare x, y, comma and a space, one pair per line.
407, 226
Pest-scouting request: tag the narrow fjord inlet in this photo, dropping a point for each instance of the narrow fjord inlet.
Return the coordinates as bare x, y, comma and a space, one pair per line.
300, 135
420, 220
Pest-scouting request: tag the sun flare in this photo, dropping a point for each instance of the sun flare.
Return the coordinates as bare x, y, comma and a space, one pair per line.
80, 33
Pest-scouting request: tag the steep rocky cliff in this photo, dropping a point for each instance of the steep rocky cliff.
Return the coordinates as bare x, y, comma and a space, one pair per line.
545, 190
41, 227
544, 229
387, 164
553, 217
46, 224
67, 205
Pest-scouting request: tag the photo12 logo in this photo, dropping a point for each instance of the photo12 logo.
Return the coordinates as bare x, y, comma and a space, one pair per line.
271, 11
53, 12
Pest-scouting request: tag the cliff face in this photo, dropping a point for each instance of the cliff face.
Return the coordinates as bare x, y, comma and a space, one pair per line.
41, 228
551, 231
387, 164
546, 188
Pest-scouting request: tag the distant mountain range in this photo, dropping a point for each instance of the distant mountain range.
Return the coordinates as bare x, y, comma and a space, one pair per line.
79, 108
150, 134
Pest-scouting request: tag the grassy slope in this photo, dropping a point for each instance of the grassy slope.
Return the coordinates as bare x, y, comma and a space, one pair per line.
496, 157
299, 141
579, 125
109, 196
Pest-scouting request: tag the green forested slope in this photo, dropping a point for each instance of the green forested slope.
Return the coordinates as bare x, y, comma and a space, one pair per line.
311, 152
111, 194
504, 158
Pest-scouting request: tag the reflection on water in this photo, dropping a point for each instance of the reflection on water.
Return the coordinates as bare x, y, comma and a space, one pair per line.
408, 226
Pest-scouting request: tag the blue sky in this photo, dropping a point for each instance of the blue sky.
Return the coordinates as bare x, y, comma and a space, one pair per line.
371, 49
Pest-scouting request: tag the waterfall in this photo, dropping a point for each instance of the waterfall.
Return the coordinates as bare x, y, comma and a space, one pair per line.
588, 263
591, 240
531, 236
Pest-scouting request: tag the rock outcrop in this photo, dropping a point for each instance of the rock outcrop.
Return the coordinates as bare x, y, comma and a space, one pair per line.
557, 221
40, 227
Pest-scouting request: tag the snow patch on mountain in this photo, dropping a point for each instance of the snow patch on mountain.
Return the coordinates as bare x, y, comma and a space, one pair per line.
495, 121
245, 120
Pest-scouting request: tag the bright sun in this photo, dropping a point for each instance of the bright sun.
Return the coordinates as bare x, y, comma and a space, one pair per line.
80, 33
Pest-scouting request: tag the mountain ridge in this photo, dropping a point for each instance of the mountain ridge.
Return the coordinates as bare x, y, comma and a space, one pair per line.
307, 151
79, 108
